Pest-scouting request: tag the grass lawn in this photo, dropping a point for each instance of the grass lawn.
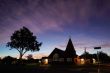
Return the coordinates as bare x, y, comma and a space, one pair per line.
38, 68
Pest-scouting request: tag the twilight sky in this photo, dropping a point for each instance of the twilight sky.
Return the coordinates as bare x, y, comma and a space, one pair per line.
53, 21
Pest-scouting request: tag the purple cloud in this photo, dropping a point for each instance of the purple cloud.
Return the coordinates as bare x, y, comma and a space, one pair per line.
87, 20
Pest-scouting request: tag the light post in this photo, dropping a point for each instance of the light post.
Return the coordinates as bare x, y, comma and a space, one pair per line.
98, 48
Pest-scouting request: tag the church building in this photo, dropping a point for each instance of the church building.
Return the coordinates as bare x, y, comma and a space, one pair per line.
62, 57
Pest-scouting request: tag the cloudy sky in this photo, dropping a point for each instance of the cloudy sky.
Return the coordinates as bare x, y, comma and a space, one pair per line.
54, 21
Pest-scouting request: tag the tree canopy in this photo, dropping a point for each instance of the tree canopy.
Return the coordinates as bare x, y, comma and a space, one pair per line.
23, 40
86, 55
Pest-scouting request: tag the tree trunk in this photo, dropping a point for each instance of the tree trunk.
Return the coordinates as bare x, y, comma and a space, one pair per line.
21, 55
20, 59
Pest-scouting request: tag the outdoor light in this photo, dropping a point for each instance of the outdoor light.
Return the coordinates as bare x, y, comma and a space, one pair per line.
94, 61
82, 61
46, 61
39, 61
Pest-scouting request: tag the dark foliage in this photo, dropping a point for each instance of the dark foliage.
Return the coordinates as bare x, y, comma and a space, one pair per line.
103, 57
86, 55
23, 40
30, 56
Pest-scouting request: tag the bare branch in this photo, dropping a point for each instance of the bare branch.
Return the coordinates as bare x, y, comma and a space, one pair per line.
24, 52
19, 50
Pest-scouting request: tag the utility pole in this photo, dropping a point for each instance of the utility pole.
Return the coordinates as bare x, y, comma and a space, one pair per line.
85, 54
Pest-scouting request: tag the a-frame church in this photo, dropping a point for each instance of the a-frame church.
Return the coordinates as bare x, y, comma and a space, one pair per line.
60, 56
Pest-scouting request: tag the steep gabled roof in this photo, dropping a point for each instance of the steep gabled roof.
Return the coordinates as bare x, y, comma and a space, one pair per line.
68, 53
70, 50
58, 51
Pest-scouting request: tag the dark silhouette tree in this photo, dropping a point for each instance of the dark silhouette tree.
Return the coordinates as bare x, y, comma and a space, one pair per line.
86, 55
94, 56
23, 40
103, 57
29, 57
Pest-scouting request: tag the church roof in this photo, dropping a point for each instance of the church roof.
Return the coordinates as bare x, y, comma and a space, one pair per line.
70, 50
68, 53
58, 51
